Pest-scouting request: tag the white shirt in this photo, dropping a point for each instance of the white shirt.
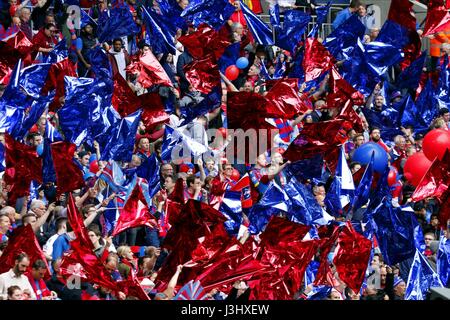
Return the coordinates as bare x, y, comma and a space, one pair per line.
120, 59
48, 246
9, 279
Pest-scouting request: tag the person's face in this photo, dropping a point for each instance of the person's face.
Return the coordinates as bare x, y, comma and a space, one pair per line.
359, 141
145, 49
362, 11
375, 135
351, 134
167, 170
271, 70
253, 71
135, 162
85, 160
308, 119
128, 254
248, 87
335, 296
31, 220
261, 160
319, 190
17, 295
197, 184
88, 29
379, 101
39, 211
209, 165
117, 45
169, 184
400, 289
354, 296
25, 16
434, 221
94, 238
37, 140
111, 265
5, 223
383, 274
50, 32
446, 117
375, 261
228, 170
21, 266
401, 144
144, 144
428, 239
50, 19
183, 4
356, 168
39, 273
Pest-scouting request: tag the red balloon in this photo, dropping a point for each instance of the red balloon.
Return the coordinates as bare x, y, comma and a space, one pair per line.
93, 166
232, 72
435, 143
235, 175
415, 168
392, 177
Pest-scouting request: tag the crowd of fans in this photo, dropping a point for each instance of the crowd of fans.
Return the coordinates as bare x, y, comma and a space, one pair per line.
140, 251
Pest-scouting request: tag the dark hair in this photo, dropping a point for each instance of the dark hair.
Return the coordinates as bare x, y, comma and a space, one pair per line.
11, 290
418, 206
357, 136
21, 256
374, 128
27, 215
190, 179
118, 39
39, 264
356, 4
443, 111
60, 222
95, 229
49, 25
354, 164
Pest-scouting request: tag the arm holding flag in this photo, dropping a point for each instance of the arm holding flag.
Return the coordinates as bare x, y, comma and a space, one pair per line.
44, 217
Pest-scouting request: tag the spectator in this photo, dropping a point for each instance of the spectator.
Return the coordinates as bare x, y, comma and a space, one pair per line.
16, 277
121, 58
344, 14
25, 27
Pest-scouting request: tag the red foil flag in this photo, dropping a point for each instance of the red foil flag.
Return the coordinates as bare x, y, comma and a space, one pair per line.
316, 138
401, 12
412, 50
135, 213
124, 100
133, 288
341, 91
204, 41
13, 48
76, 222
22, 166
203, 74
351, 117
279, 229
22, 239
436, 181
438, 19
317, 59
324, 270
150, 71
68, 176
284, 101
352, 257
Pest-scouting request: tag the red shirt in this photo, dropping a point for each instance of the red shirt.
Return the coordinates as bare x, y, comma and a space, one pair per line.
40, 40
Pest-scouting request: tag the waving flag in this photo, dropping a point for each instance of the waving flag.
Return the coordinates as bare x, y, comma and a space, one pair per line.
362, 192
352, 257
87, 19
343, 40
393, 34
59, 52
317, 59
211, 102
260, 31
438, 19
294, 26
175, 142
160, 31
203, 74
342, 188
410, 77
118, 140
191, 291
2, 158
427, 104
149, 170
443, 260
68, 176
421, 278
229, 57
215, 12
321, 13
231, 208
115, 23
401, 12
150, 71
32, 79
172, 10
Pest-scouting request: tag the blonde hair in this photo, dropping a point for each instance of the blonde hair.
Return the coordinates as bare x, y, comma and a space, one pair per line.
122, 250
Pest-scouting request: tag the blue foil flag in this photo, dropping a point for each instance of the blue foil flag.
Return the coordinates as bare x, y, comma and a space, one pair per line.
393, 34
274, 16
410, 77
321, 13
294, 26
149, 170
13, 96
20, 128
427, 104
120, 138
342, 41
32, 79
101, 67
179, 147
421, 278
2, 158
306, 169
48, 170
75, 116
58, 53
87, 19
114, 176
172, 10
443, 260
380, 56
231, 208
362, 192
161, 32
51, 133
260, 31
116, 23
213, 12
342, 188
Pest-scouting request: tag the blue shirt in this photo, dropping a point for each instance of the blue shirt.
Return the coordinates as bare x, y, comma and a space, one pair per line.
341, 17
60, 246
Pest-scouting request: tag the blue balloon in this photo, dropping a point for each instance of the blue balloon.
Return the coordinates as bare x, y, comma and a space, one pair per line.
364, 152
40, 149
242, 63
